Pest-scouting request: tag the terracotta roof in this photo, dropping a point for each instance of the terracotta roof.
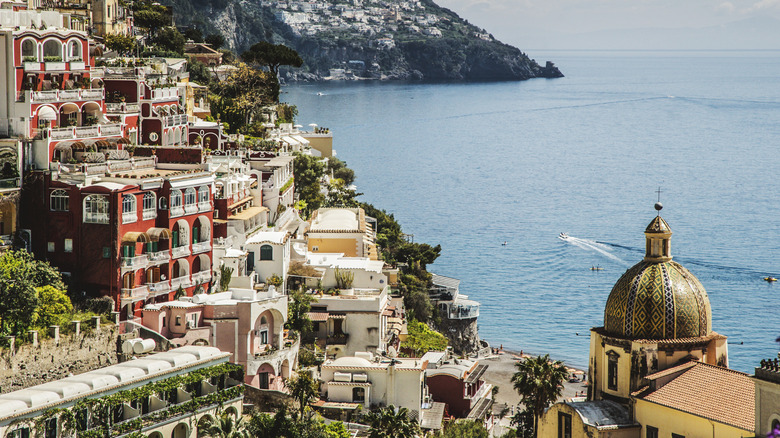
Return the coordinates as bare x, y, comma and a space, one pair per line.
708, 391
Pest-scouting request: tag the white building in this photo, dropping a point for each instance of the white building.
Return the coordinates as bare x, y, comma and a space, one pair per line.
369, 380
268, 254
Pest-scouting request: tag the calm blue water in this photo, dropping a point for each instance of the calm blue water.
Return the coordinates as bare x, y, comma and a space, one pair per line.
473, 165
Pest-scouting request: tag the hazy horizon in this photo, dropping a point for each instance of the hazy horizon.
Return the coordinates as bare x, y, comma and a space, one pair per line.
617, 24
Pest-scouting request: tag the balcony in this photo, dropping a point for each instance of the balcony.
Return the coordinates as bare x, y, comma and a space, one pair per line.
338, 339
181, 251
175, 120
76, 132
169, 93
201, 277
204, 206
133, 263
183, 281
200, 247
64, 95
157, 257
134, 294
159, 288
123, 108
129, 217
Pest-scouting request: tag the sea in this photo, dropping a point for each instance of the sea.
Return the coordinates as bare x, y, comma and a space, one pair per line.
472, 166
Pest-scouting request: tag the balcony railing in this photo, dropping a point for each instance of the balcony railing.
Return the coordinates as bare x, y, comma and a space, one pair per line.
204, 206
159, 287
74, 132
133, 263
165, 93
159, 256
64, 95
180, 251
10, 183
179, 119
135, 294
180, 281
201, 277
338, 339
123, 107
200, 247
129, 217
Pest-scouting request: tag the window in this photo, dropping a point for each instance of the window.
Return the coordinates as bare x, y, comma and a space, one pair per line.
178, 319
68, 245
651, 432
96, 209
50, 246
75, 50
50, 428
28, 49
52, 49
612, 372
358, 395
129, 211
106, 252
176, 207
22, 432
564, 425
204, 197
263, 337
266, 252
59, 200
150, 206
189, 200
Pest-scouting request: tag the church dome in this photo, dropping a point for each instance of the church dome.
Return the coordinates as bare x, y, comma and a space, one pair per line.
658, 298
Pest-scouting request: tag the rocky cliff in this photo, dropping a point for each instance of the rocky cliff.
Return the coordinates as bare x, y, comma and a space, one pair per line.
391, 39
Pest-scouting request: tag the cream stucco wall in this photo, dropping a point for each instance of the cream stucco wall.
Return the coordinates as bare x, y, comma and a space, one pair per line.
767, 405
669, 421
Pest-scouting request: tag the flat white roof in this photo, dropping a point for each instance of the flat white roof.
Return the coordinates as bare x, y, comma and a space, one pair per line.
267, 236
335, 219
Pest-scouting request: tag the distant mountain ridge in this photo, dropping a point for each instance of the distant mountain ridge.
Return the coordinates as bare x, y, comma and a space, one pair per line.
377, 39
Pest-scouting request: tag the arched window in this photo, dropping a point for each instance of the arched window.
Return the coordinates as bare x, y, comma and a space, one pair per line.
96, 209
266, 252
129, 210
59, 200
204, 197
176, 207
74, 51
189, 196
150, 206
28, 51
263, 320
52, 51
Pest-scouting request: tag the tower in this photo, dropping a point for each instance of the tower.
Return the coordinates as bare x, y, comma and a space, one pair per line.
657, 316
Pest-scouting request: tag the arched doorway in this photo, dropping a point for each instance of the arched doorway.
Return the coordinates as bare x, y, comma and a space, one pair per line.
180, 431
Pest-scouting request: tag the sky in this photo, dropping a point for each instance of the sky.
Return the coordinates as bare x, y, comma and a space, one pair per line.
626, 24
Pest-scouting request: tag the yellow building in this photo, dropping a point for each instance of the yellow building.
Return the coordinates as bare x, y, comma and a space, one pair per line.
341, 230
655, 352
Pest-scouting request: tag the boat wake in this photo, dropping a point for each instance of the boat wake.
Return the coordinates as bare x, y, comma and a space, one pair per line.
592, 245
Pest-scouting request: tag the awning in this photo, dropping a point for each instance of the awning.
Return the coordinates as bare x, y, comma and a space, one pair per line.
241, 202
248, 213
301, 140
102, 144
155, 234
79, 146
64, 146
47, 113
337, 316
318, 316
291, 141
134, 236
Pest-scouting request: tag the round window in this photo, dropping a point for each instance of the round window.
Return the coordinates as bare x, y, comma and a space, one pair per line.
153, 136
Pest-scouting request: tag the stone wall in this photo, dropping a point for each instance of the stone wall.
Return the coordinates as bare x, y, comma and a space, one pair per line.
267, 400
29, 364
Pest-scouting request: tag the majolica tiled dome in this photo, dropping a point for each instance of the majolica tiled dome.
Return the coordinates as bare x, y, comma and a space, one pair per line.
658, 298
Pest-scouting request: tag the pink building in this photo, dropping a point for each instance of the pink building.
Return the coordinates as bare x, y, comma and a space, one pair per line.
247, 323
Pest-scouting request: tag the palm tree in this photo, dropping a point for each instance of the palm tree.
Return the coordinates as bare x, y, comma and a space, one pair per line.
539, 382
226, 426
387, 423
303, 388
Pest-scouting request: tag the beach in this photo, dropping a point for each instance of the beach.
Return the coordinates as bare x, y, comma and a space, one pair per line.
501, 368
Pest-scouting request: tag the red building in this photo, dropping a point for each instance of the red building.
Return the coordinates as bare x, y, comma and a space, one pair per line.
136, 233
458, 384
55, 95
